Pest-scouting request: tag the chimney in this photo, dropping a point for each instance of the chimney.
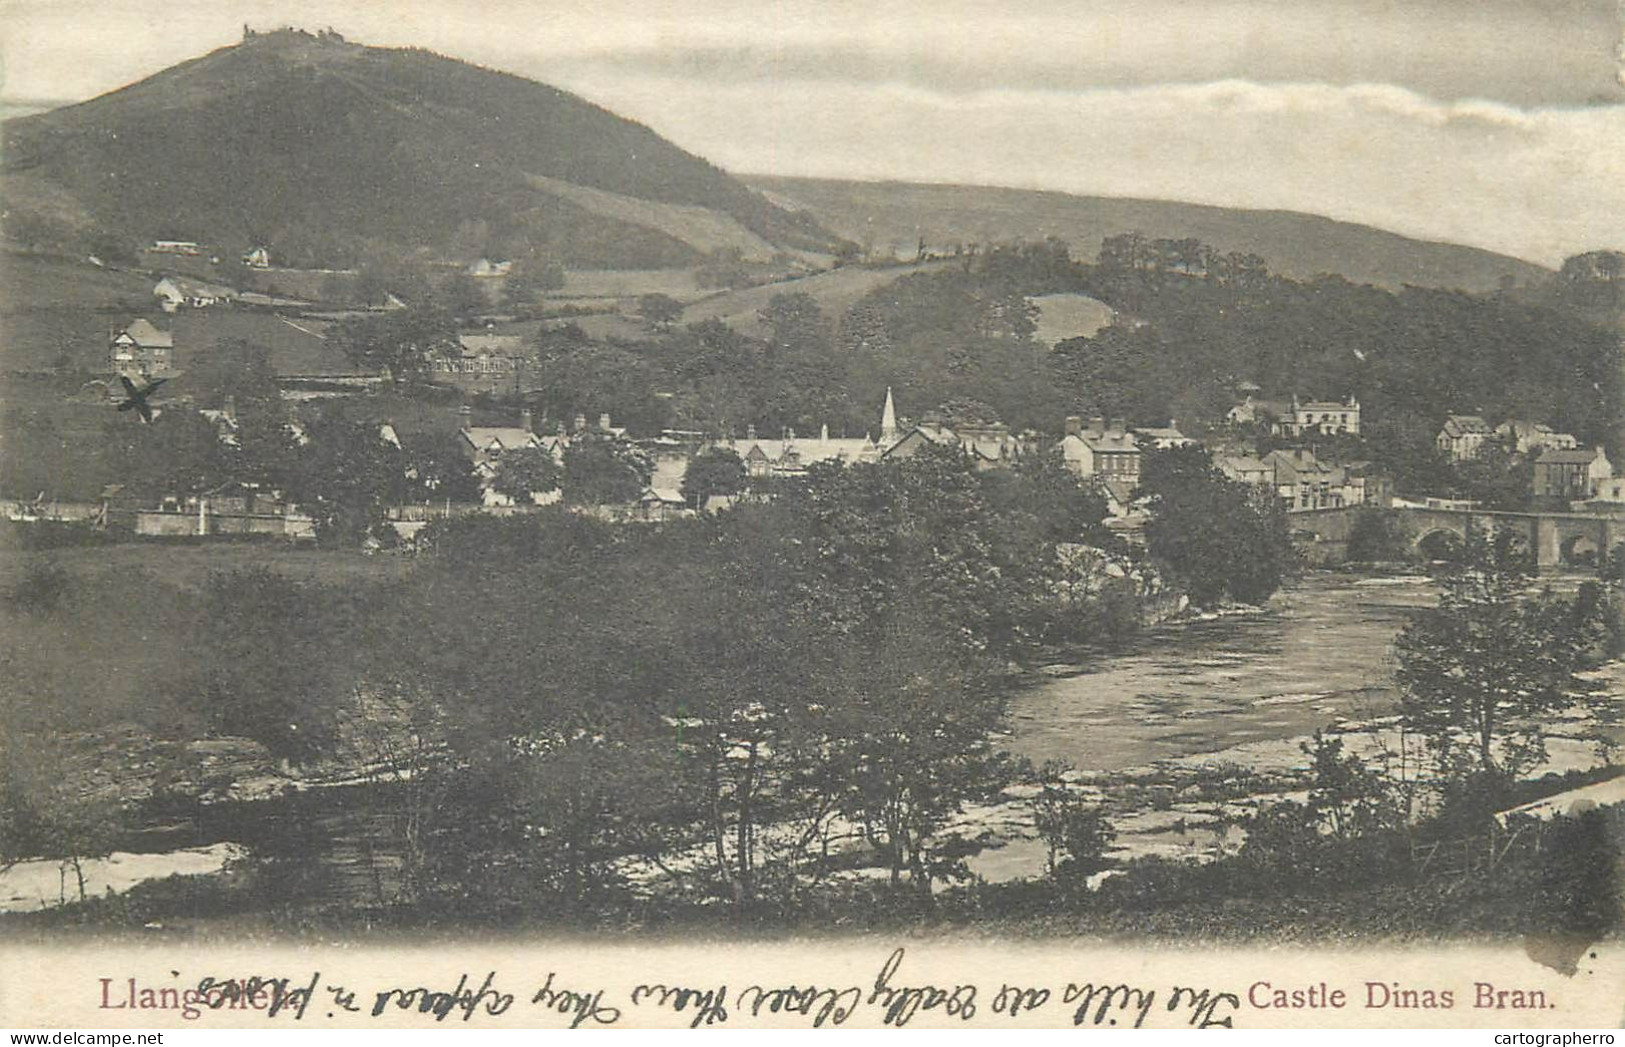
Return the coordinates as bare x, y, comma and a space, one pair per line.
1074, 425
526, 420
823, 431
603, 422
229, 408
1118, 425
1097, 425
581, 422
465, 412
750, 431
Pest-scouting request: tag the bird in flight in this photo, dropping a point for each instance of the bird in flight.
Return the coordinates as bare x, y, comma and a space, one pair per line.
136, 399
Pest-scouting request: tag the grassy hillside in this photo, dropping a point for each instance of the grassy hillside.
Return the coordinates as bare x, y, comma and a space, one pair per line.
316, 146
835, 290
37, 281
884, 214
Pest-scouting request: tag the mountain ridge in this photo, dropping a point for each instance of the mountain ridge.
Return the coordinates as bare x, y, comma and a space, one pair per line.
1294, 243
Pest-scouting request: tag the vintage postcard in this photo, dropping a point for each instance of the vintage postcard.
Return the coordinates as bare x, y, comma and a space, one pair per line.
731, 514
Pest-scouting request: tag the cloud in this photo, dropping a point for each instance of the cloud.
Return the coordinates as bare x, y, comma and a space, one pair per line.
1460, 120
1526, 52
1536, 183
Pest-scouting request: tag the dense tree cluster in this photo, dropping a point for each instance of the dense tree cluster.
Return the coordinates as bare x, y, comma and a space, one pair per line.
1193, 327
734, 698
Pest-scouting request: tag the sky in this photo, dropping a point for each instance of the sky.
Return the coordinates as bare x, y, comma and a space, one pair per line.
1497, 123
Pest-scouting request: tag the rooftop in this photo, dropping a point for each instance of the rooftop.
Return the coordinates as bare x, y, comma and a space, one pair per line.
504, 437
1574, 456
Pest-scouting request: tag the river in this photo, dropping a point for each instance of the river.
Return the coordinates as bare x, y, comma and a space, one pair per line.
1237, 684
1322, 649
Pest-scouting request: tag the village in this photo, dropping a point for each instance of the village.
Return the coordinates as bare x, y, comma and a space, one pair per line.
1296, 451
442, 503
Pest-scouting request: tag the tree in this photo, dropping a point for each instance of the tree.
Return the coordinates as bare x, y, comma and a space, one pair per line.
1219, 538
528, 280
914, 533
913, 741
1076, 832
383, 274
344, 475
462, 297
965, 411
796, 321
600, 470
438, 471
401, 343
659, 311
179, 454
276, 656
714, 471
235, 368
1478, 673
527, 471
47, 809
371, 287
1348, 798
1498, 477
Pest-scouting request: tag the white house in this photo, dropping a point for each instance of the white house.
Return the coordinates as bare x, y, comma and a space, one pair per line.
173, 292
182, 247
1326, 417
1161, 437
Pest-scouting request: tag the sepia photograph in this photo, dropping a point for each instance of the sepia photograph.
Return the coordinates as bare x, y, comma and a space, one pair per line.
777, 476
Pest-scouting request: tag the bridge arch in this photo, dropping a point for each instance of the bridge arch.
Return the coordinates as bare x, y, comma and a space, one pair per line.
1440, 543
1579, 550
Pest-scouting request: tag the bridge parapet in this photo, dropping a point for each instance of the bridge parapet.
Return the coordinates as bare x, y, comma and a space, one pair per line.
1558, 539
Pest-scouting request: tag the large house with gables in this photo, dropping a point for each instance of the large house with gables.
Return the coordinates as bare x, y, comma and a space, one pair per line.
142, 349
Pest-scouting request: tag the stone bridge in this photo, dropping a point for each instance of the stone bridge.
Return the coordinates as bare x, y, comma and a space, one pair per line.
1558, 539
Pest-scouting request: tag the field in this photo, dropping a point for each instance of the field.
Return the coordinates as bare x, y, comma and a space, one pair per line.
54, 310
187, 566
52, 431
703, 229
1063, 316
581, 285
40, 281
836, 291
107, 647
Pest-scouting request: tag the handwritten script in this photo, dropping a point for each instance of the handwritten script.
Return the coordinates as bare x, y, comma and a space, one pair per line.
892, 997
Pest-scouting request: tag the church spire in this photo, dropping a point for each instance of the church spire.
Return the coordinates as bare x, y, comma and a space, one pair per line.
888, 420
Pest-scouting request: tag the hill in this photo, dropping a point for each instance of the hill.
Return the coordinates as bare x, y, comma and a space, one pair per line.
323, 149
888, 215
